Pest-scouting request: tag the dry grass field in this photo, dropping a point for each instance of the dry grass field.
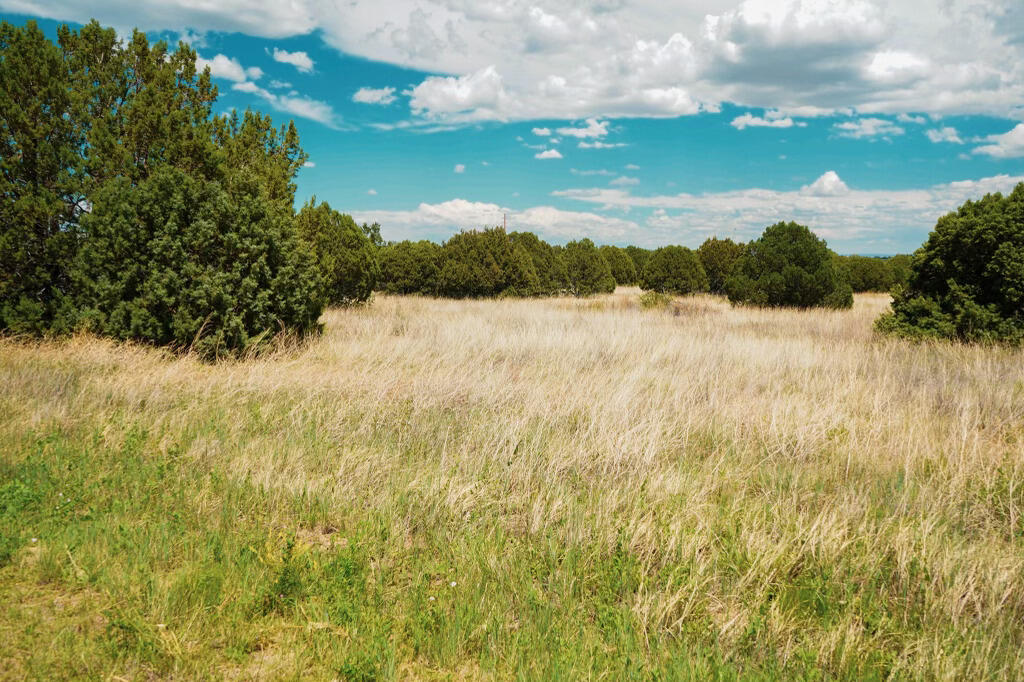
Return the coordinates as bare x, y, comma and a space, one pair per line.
528, 489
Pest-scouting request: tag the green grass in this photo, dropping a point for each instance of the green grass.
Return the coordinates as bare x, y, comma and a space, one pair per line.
208, 528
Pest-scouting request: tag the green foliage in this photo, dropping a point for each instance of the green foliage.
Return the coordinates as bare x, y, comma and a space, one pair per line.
94, 121
623, 269
586, 269
410, 267
867, 273
178, 261
486, 263
344, 254
639, 257
967, 280
552, 278
789, 266
674, 270
719, 258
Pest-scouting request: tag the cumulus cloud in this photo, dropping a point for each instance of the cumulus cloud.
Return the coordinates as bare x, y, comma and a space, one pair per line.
299, 59
372, 192
867, 128
548, 154
570, 60
309, 164
460, 168
944, 134
748, 120
586, 173
381, 96
543, 132
597, 144
1004, 146
828, 185
593, 129
849, 218
476, 96
228, 68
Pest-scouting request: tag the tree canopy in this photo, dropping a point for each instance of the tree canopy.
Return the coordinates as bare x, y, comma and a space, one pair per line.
719, 258
967, 280
789, 266
674, 270
128, 208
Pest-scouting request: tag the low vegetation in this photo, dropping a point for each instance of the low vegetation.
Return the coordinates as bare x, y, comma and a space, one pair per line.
533, 489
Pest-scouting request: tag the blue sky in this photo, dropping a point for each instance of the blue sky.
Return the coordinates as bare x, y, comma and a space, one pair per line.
622, 121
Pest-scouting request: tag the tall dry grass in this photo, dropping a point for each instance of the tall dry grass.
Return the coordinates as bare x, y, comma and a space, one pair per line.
786, 483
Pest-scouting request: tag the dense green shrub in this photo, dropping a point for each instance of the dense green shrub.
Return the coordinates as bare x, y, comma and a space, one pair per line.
639, 257
867, 273
410, 267
623, 269
674, 270
789, 266
547, 262
967, 280
485, 263
129, 209
345, 256
188, 263
587, 270
719, 258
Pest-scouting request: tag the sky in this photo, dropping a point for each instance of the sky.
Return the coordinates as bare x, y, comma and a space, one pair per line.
629, 122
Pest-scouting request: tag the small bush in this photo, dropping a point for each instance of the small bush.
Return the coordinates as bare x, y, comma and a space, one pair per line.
967, 280
654, 299
675, 270
789, 266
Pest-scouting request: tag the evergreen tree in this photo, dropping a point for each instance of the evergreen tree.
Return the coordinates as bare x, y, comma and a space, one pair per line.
789, 266
674, 270
719, 258
621, 265
587, 270
344, 255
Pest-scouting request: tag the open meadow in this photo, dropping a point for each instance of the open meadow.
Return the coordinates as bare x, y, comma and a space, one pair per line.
532, 489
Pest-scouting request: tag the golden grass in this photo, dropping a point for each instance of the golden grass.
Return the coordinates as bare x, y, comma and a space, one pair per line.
780, 457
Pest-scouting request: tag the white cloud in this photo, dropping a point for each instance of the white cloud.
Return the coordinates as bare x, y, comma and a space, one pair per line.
439, 221
1004, 146
828, 185
476, 96
623, 181
632, 166
585, 173
299, 59
297, 105
867, 128
597, 144
548, 154
910, 118
228, 68
381, 96
593, 129
849, 218
460, 168
748, 120
309, 164
572, 60
542, 132
944, 134
280, 85
372, 192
